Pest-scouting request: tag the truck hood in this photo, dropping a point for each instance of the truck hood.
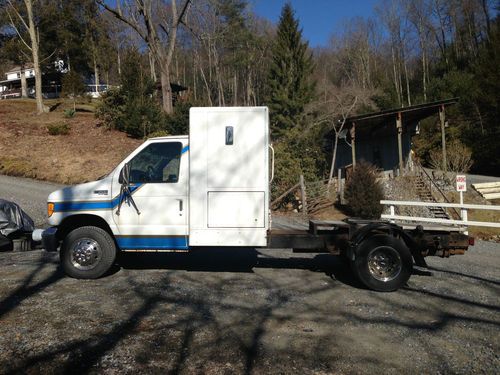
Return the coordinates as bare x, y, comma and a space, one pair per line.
90, 191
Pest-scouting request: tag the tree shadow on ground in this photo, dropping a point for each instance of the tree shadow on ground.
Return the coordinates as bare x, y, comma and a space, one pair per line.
27, 289
461, 274
238, 260
172, 310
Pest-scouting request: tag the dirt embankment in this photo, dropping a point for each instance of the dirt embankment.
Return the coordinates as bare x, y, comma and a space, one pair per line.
85, 153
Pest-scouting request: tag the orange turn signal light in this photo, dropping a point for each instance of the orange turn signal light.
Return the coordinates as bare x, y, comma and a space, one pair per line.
50, 209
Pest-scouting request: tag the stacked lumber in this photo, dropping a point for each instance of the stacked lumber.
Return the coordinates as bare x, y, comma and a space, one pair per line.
489, 190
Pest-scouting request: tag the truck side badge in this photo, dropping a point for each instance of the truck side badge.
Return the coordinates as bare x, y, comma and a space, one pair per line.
229, 135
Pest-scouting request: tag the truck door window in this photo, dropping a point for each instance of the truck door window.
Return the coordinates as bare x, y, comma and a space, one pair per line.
158, 162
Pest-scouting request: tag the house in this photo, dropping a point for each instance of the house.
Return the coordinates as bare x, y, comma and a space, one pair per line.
11, 87
384, 138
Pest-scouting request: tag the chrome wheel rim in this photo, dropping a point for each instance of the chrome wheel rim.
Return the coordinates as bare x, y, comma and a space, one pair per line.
85, 254
384, 263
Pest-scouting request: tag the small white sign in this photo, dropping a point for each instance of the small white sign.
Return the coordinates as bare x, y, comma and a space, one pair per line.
461, 182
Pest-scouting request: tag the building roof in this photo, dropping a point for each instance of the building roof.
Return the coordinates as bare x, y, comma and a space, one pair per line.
17, 68
386, 119
176, 87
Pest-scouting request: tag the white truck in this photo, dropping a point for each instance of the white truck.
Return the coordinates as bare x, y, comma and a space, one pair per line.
211, 189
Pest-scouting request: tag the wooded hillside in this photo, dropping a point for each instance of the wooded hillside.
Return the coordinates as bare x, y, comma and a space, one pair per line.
410, 52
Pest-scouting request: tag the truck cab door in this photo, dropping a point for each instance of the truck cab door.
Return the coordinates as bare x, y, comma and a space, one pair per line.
158, 185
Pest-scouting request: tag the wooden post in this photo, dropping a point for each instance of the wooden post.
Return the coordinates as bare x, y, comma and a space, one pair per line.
443, 136
339, 180
341, 187
353, 145
399, 126
303, 196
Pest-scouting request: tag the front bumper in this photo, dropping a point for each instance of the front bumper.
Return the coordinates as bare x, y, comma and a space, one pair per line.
50, 241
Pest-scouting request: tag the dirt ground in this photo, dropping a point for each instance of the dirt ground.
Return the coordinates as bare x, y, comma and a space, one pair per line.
247, 311
27, 149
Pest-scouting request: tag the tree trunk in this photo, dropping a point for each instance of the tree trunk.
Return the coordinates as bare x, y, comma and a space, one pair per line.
40, 108
96, 73
152, 66
407, 81
424, 72
395, 74
119, 63
24, 85
194, 79
334, 157
166, 90
235, 90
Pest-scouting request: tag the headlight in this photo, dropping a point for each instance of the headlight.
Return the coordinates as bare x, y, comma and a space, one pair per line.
50, 209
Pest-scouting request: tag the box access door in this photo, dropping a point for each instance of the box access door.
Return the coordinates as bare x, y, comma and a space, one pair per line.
229, 174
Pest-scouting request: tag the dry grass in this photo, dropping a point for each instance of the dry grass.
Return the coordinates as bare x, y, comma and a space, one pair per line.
330, 213
85, 153
472, 197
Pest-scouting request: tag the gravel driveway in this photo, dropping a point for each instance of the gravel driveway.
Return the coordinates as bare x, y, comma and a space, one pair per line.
31, 195
247, 311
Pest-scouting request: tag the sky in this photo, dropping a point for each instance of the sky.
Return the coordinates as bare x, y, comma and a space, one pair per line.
319, 19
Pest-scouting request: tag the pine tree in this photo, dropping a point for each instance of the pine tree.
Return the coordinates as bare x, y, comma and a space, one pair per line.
290, 88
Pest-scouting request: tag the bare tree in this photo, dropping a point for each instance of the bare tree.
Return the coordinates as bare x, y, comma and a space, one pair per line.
393, 18
160, 36
340, 102
33, 45
419, 13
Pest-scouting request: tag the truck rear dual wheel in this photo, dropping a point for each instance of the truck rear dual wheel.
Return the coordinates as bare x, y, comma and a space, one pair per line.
383, 263
87, 252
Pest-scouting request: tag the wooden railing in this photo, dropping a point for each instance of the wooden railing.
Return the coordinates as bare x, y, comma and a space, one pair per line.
463, 221
432, 185
314, 195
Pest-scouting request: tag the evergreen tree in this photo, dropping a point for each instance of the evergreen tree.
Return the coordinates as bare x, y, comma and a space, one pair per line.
289, 83
132, 108
364, 192
72, 86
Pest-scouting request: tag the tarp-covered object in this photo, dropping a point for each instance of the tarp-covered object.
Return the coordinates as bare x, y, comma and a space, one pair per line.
14, 219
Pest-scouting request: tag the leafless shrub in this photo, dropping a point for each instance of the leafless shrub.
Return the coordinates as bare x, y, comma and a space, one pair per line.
458, 158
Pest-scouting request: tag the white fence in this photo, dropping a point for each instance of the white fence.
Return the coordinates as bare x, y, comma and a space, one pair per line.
463, 213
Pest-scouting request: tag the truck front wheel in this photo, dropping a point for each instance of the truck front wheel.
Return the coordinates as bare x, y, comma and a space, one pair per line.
383, 263
87, 252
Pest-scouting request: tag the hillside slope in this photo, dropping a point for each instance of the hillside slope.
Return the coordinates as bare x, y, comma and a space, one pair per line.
85, 153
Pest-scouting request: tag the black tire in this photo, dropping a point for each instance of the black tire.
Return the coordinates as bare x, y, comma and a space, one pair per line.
87, 253
383, 263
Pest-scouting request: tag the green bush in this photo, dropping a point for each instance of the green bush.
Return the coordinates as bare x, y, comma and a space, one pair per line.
298, 152
140, 118
287, 170
363, 192
178, 122
59, 129
110, 108
69, 113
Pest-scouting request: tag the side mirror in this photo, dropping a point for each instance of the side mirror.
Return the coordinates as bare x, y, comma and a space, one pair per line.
125, 175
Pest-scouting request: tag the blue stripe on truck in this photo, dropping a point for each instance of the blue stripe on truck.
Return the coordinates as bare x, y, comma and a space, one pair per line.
97, 205
146, 242
91, 205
